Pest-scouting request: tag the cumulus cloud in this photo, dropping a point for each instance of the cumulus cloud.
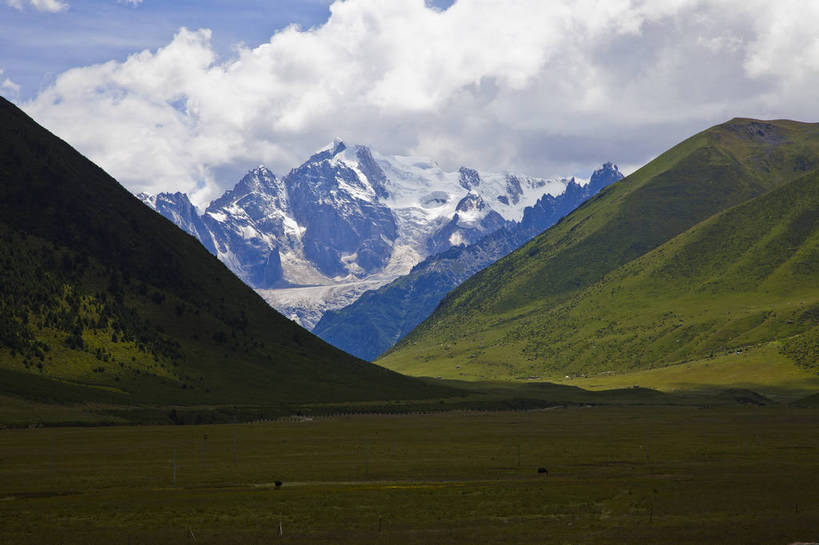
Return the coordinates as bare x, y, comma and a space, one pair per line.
544, 88
51, 6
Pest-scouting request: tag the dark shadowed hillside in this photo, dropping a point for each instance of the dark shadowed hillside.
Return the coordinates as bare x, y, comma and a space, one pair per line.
102, 300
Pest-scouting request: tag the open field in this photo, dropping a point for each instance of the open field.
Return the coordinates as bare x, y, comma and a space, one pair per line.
615, 475
763, 369
759, 377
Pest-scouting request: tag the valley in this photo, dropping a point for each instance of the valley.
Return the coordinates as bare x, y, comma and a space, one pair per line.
612, 475
464, 323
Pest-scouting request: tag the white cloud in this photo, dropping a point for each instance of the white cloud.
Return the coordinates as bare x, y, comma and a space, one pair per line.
8, 86
543, 87
51, 6
132, 2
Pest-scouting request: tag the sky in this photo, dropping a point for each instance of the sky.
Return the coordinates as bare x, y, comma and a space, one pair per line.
187, 95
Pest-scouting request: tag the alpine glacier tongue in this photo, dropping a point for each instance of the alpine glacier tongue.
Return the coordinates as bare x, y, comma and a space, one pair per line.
347, 220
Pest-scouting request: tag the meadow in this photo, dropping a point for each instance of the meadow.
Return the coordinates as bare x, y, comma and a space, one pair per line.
709, 249
762, 369
612, 475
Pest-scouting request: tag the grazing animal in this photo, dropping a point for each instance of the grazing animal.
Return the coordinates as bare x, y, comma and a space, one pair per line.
542, 470
278, 484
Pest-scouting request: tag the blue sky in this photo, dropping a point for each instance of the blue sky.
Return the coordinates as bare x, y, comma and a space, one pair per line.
187, 95
36, 45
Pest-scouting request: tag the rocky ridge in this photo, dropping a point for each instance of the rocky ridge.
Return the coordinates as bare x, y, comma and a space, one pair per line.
348, 220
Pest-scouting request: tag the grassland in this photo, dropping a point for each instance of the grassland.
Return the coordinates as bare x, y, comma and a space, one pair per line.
763, 369
756, 376
615, 475
711, 248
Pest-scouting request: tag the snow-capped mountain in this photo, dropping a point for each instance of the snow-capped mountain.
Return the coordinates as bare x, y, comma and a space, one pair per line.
249, 224
347, 220
380, 318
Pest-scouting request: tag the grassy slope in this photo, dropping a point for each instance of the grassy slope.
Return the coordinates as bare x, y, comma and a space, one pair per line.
578, 300
763, 369
104, 301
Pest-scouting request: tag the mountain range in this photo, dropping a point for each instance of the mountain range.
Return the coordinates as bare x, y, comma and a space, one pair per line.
380, 318
708, 250
350, 220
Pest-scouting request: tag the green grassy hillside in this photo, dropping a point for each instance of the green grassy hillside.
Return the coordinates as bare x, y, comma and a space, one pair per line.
712, 247
104, 301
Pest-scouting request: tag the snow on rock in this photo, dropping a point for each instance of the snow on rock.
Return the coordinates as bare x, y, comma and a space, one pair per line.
348, 220
178, 208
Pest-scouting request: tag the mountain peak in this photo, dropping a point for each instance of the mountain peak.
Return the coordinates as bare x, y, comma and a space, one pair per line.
335, 146
608, 166
605, 175
261, 171
255, 180
329, 151
472, 201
